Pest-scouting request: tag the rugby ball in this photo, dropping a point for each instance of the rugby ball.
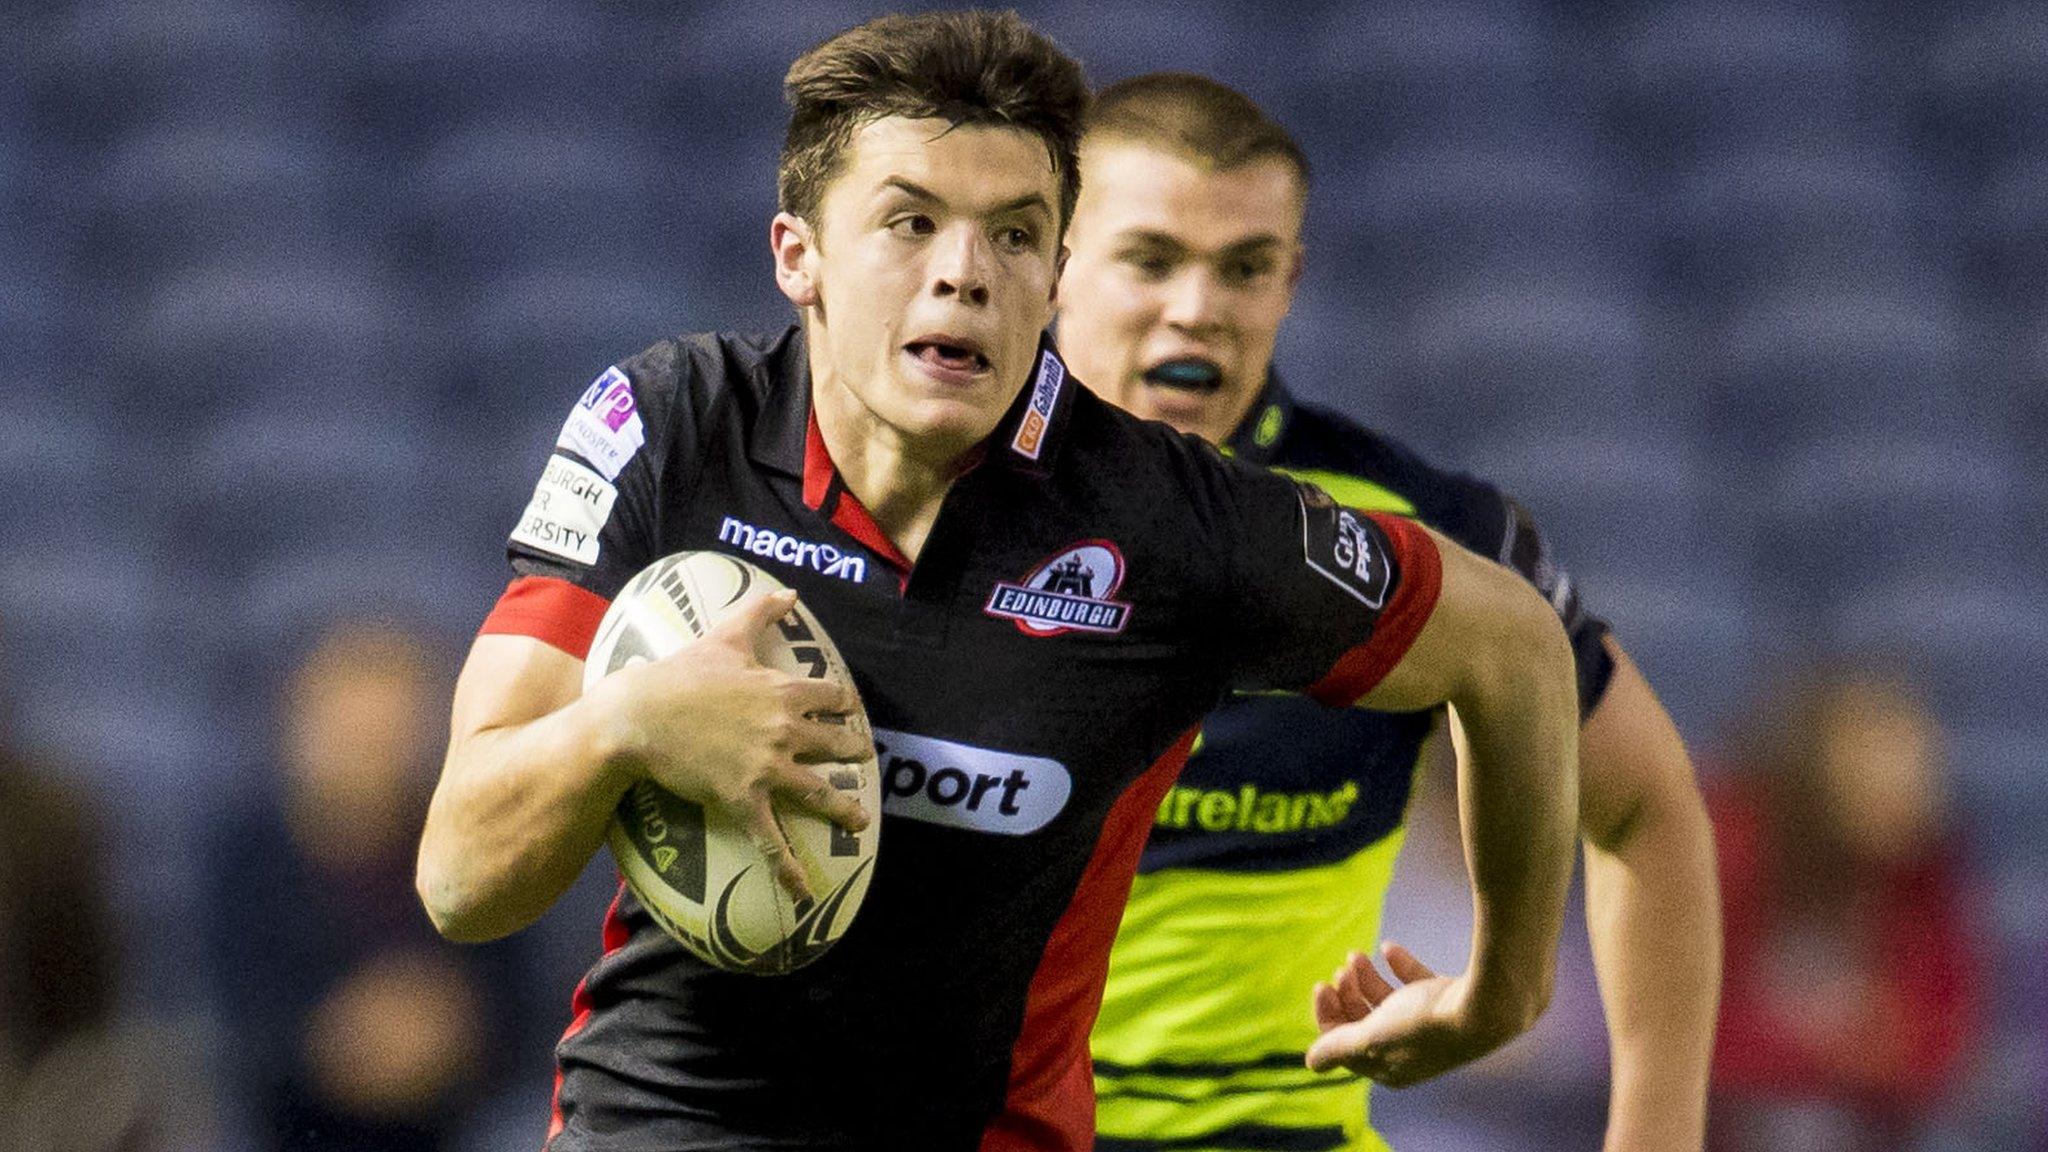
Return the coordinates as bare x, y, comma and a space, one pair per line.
695, 871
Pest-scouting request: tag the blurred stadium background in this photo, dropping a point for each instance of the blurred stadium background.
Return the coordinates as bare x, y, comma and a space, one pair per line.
1744, 299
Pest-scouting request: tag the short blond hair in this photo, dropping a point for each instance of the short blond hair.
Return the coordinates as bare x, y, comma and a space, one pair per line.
1204, 120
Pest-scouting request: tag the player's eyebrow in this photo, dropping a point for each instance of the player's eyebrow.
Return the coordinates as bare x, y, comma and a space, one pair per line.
1026, 202
918, 192
1251, 245
1150, 237
914, 191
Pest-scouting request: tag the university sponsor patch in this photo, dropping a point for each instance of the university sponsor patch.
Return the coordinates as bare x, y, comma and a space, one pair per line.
569, 508
1347, 547
1073, 591
1045, 395
605, 426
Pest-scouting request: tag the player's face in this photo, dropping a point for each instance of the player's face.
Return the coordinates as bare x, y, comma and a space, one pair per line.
930, 274
1179, 279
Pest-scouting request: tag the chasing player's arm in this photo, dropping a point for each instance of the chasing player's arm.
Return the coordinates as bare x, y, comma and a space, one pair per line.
1652, 913
535, 765
1493, 650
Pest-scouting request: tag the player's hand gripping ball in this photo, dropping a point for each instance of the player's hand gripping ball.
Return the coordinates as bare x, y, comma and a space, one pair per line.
697, 873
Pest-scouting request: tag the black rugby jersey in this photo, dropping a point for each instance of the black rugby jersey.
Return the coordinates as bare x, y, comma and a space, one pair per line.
1090, 589
1290, 745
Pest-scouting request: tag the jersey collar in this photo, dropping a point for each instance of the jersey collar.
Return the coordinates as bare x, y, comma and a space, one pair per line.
1258, 438
782, 425
1029, 436
1027, 439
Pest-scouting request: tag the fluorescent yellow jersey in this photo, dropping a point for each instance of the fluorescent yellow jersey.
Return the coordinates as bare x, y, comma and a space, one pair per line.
1271, 857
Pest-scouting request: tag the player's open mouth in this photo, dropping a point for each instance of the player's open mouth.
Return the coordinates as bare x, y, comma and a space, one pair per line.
1186, 374
949, 354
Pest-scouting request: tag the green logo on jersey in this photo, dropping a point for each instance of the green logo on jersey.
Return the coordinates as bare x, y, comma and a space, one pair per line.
1269, 427
1250, 809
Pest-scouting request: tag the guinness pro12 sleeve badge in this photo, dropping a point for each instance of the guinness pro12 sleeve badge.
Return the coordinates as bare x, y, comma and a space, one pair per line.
1346, 547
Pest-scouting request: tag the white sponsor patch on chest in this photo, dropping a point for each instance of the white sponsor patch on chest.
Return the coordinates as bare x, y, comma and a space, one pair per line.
961, 786
569, 508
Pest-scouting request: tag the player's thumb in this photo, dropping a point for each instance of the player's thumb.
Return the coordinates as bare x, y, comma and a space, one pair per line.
1340, 1045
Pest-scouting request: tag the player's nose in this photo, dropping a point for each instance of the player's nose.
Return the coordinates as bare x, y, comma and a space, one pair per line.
960, 267
1193, 301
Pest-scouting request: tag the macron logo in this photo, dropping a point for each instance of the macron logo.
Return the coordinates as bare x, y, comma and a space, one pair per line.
772, 545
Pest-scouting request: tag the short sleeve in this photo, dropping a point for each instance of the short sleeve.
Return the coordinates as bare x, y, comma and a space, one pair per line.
593, 520
1496, 525
1325, 599
1523, 548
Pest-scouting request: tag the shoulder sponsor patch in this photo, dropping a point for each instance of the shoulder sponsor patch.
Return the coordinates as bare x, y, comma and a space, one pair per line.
1347, 547
1029, 441
605, 426
570, 506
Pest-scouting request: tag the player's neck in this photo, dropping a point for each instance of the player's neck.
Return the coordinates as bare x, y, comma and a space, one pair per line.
900, 482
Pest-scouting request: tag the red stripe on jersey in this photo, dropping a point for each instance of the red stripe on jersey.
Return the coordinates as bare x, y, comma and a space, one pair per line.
848, 514
1050, 1105
818, 470
615, 935
552, 611
1422, 578
853, 518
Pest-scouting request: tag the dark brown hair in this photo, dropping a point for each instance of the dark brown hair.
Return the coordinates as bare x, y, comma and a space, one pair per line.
1206, 121
973, 68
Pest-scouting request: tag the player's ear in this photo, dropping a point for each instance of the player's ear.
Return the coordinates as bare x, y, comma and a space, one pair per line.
795, 258
1059, 271
1295, 263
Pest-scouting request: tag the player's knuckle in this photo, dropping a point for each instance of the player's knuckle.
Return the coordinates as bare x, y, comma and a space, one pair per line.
730, 793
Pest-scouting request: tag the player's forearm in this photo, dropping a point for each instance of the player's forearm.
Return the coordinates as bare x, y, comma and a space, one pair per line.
519, 812
1653, 916
1653, 913
1515, 700
1517, 784
1493, 649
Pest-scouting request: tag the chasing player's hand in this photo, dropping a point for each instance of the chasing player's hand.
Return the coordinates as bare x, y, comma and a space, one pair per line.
1398, 1034
711, 723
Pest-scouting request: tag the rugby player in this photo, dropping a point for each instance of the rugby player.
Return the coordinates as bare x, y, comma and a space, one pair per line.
1187, 245
1028, 584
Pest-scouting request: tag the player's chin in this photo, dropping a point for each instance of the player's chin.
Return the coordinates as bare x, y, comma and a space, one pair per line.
1180, 407
927, 402
957, 420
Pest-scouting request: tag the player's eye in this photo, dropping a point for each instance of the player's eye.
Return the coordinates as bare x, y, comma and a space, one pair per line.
1242, 272
914, 224
1148, 265
1016, 239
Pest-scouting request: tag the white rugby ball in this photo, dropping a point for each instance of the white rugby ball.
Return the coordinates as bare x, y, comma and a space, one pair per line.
695, 871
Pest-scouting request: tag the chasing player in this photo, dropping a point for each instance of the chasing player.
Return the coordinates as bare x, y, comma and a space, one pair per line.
1048, 592
1270, 859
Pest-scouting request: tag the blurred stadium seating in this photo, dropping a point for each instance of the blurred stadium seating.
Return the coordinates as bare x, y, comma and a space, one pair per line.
1743, 299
